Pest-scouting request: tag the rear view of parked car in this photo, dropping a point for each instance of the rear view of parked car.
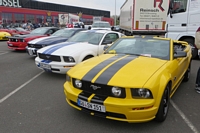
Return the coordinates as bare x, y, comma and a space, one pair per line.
101, 25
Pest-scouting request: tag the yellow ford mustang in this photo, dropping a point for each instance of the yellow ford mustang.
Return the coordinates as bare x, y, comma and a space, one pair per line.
4, 35
132, 81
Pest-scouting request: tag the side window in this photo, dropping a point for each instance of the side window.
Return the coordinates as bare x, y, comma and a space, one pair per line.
179, 6
54, 30
111, 37
50, 32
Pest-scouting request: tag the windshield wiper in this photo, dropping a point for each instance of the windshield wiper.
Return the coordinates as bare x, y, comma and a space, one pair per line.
132, 54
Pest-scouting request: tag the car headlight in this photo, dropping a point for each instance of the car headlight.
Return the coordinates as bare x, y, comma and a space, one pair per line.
68, 78
68, 59
78, 83
141, 93
116, 91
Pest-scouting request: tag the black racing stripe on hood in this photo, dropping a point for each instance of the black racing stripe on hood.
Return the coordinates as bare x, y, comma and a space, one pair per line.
98, 99
105, 77
84, 96
94, 71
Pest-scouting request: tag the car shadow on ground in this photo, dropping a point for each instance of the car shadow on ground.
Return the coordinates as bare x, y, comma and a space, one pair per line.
18, 51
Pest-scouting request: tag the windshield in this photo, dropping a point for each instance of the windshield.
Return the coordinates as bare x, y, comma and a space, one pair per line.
101, 25
151, 47
20, 29
178, 6
64, 33
39, 31
90, 37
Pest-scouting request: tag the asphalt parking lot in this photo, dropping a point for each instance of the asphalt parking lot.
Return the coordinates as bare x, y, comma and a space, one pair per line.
33, 101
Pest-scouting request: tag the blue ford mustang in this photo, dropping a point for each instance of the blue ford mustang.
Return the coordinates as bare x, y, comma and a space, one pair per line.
58, 37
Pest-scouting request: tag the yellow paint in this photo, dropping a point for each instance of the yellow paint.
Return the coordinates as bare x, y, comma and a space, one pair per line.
142, 72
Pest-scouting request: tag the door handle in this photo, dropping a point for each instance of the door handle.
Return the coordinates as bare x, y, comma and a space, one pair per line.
183, 24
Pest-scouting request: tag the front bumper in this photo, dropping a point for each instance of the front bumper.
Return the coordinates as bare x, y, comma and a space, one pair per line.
51, 66
17, 45
127, 110
4, 38
31, 51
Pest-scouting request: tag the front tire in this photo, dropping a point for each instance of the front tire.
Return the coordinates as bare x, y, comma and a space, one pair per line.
187, 74
164, 105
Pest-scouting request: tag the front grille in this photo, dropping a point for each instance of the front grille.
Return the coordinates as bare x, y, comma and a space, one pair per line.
35, 46
50, 57
13, 40
16, 40
4, 37
103, 90
100, 114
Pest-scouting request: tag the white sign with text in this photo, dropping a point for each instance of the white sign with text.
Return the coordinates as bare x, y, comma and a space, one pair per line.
10, 3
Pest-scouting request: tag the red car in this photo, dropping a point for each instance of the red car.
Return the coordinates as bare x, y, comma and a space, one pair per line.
16, 31
19, 42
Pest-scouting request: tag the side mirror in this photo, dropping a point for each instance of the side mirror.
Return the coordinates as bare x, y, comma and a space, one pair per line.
89, 28
180, 54
106, 42
171, 4
105, 47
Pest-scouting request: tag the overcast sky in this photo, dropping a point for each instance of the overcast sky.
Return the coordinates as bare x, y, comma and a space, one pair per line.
108, 5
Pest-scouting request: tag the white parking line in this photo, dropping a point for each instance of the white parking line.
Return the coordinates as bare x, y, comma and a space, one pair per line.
2, 53
187, 121
19, 88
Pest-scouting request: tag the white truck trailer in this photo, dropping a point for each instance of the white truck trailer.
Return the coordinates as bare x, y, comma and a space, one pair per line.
143, 17
180, 19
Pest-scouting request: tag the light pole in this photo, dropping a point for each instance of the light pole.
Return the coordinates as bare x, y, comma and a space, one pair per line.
115, 14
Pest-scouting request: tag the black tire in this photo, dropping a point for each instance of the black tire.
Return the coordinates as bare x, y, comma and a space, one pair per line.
87, 57
190, 41
187, 74
164, 105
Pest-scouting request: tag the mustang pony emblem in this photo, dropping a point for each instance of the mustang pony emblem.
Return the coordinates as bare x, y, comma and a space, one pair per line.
95, 87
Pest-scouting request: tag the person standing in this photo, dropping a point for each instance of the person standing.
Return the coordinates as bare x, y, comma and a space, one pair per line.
198, 81
197, 43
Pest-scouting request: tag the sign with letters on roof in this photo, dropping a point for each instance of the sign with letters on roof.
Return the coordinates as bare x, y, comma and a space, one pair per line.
10, 3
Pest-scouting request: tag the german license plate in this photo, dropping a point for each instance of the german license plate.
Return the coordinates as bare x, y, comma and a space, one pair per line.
45, 66
91, 106
10, 44
199, 52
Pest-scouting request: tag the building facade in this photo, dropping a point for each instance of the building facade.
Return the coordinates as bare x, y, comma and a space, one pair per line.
22, 11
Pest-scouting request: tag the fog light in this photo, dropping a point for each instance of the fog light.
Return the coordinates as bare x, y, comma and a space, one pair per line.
68, 66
